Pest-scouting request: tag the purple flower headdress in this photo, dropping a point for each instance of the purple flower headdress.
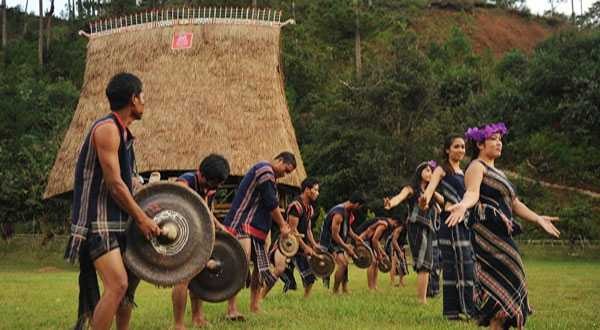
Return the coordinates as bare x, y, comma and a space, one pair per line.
481, 134
432, 164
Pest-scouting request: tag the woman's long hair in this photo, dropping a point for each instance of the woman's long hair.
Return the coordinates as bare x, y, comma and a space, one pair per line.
415, 181
448, 141
472, 149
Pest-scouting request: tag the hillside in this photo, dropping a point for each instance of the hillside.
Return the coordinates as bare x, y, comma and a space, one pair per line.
496, 30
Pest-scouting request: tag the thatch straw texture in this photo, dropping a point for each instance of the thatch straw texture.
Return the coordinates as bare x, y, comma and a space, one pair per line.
225, 94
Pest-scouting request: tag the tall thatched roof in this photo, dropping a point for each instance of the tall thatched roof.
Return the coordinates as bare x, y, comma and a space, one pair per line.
225, 94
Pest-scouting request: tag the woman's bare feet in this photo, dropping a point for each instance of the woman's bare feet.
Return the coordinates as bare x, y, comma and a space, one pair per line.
200, 322
235, 316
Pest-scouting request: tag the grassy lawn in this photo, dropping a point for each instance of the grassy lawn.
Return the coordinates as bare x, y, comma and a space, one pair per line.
39, 291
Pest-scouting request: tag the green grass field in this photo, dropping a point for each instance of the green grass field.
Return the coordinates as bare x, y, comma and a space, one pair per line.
39, 291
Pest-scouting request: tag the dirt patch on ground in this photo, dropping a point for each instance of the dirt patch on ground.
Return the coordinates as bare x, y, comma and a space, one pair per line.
496, 30
48, 270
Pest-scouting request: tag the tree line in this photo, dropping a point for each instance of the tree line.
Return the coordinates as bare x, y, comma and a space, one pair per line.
368, 97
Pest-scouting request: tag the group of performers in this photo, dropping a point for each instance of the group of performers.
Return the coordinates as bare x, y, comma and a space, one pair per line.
460, 222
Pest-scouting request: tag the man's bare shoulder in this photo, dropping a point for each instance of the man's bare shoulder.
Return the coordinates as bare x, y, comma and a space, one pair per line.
106, 133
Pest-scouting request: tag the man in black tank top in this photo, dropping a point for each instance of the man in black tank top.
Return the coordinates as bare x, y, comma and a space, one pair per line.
335, 233
211, 174
372, 233
299, 216
102, 202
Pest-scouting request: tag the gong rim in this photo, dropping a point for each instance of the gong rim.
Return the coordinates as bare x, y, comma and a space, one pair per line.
384, 265
319, 269
289, 246
192, 247
211, 284
364, 256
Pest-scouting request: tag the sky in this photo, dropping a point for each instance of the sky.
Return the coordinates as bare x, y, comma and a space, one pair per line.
536, 6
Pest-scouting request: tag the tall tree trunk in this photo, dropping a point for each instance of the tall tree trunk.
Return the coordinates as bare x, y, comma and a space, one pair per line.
90, 8
357, 48
69, 9
26, 19
93, 8
4, 36
79, 8
49, 25
573, 11
41, 36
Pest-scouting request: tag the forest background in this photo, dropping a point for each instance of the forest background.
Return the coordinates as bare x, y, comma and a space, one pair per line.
372, 86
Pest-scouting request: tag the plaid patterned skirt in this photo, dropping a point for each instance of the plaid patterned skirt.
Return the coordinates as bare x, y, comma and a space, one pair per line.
260, 258
458, 271
420, 239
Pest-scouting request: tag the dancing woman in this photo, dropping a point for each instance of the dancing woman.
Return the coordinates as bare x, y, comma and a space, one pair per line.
420, 225
455, 243
498, 267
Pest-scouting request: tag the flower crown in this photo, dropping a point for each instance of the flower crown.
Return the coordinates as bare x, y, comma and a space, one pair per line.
429, 163
483, 133
432, 164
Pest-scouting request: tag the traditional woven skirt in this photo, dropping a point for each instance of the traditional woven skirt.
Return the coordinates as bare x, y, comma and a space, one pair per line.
433, 285
458, 270
260, 258
499, 270
420, 239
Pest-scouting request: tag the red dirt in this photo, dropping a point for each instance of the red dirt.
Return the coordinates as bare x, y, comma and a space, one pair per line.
48, 270
497, 30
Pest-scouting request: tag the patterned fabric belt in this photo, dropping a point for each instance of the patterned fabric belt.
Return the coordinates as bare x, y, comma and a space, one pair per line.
79, 231
108, 226
416, 217
512, 226
447, 242
423, 221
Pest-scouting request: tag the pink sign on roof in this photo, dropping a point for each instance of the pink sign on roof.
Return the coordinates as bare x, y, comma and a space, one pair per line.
182, 40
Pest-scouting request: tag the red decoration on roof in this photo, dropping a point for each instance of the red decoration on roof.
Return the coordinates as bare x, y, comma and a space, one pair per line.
182, 40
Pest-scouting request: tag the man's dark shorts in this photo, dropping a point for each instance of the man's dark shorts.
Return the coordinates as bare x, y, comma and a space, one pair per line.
97, 247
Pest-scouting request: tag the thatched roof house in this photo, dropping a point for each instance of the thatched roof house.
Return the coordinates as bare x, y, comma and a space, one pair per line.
222, 93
